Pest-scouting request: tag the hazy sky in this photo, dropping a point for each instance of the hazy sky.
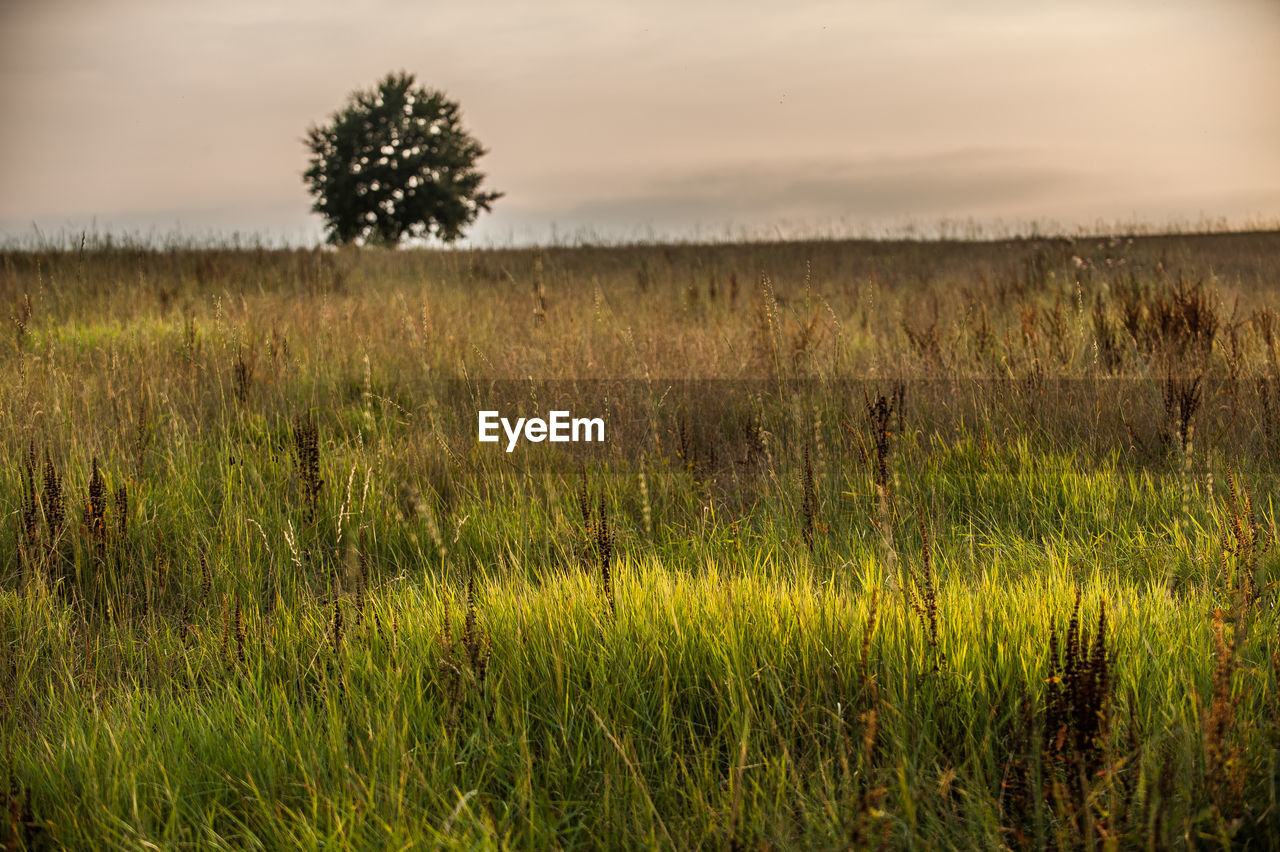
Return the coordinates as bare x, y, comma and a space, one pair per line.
676, 118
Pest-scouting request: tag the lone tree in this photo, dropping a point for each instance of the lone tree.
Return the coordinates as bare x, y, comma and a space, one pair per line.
395, 161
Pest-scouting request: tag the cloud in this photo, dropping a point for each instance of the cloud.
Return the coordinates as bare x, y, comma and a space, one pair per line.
951, 184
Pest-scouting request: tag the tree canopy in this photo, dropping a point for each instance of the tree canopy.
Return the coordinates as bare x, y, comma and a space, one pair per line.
396, 162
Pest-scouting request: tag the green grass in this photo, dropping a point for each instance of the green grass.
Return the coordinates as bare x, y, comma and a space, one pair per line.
433, 661
726, 699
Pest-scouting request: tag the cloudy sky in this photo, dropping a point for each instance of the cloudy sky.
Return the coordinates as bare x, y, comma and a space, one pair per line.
628, 119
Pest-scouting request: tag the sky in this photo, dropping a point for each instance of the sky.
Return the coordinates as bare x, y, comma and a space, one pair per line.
634, 120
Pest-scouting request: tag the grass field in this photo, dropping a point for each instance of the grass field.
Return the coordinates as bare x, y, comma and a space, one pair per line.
889, 544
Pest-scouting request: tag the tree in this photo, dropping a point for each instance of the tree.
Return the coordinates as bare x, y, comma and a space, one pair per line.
395, 162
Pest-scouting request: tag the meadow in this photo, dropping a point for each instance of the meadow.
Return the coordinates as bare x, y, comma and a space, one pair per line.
896, 544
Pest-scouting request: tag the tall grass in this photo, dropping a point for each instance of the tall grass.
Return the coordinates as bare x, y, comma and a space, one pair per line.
905, 544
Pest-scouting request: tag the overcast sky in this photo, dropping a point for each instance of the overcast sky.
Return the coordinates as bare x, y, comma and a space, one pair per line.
671, 118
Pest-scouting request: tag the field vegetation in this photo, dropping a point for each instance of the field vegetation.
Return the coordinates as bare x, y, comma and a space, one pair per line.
890, 544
